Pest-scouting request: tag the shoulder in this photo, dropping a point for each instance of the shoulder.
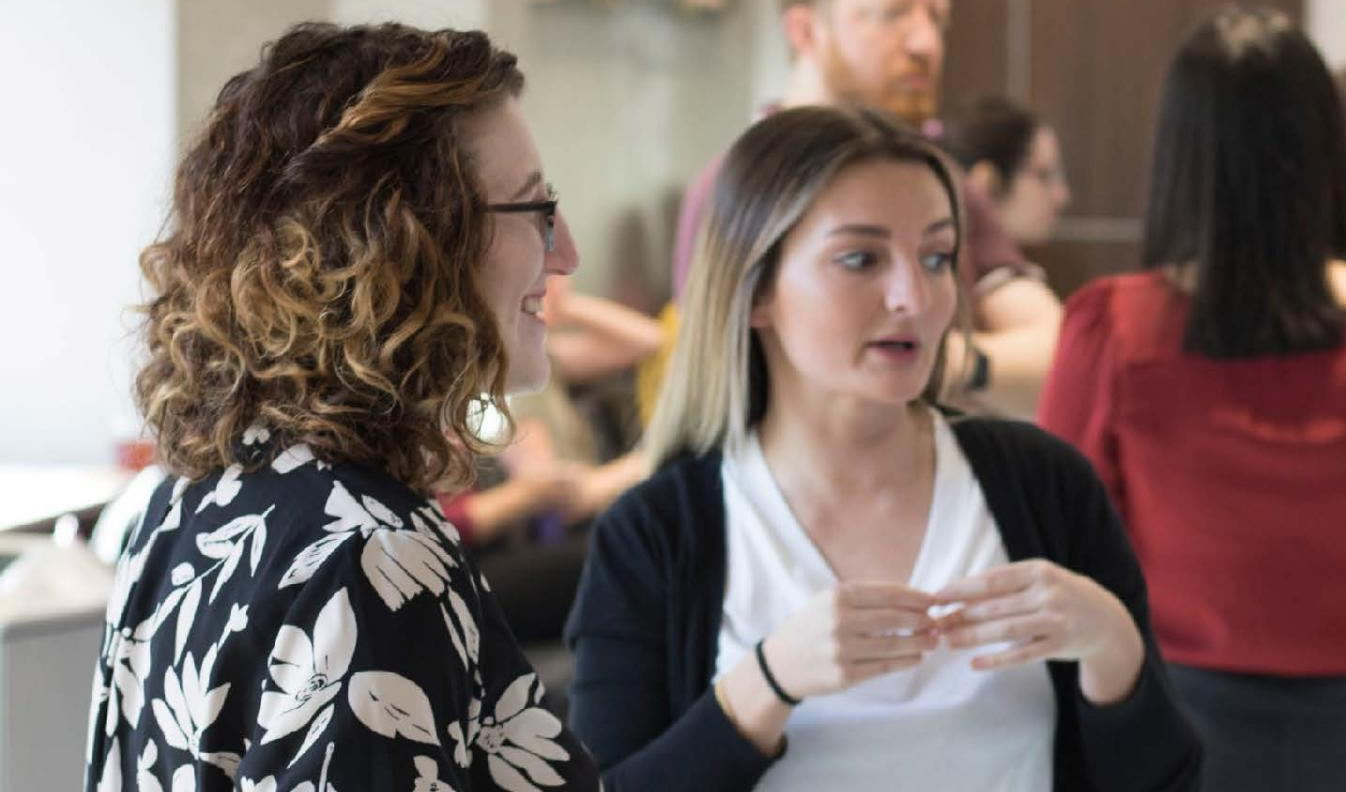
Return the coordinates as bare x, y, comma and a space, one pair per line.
1001, 449
680, 485
1100, 297
674, 512
1094, 299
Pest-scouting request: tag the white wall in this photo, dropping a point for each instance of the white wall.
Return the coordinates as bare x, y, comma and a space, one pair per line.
628, 101
1325, 21
86, 150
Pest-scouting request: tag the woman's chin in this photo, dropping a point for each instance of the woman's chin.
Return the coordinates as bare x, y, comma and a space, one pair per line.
527, 378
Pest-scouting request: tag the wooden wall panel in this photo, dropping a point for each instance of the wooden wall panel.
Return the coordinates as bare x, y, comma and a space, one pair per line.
1094, 69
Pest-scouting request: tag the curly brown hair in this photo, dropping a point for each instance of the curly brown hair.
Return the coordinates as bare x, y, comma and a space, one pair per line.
318, 275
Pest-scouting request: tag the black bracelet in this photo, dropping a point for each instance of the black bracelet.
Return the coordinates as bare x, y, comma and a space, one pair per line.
771, 680
980, 378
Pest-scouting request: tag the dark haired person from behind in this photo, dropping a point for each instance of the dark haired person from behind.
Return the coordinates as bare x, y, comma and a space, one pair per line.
360, 244
1210, 393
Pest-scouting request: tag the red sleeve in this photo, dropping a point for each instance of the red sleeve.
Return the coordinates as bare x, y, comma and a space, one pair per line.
1077, 401
455, 511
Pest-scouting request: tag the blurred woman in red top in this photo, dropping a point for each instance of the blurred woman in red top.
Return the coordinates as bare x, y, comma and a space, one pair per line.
1210, 392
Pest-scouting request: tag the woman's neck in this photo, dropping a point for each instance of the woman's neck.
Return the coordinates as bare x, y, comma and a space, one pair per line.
843, 450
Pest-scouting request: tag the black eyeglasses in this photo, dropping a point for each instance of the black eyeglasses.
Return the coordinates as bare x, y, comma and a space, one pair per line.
547, 208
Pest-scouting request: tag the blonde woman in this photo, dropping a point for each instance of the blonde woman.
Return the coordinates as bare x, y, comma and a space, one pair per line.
361, 241
829, 583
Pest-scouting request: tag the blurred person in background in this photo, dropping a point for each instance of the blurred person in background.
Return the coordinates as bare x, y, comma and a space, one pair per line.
823, 555
1210, 393
527, 518
359, 250
1014, 159
889, 54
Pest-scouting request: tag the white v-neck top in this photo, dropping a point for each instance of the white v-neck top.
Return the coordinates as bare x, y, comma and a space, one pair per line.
939, 726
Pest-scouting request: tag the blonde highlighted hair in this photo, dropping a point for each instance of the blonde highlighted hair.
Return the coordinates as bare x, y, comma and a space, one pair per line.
715, 389
319, 274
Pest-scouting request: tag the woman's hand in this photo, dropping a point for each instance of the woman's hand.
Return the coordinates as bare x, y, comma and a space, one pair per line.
556, 301
849, 634
842, 637
1046, 613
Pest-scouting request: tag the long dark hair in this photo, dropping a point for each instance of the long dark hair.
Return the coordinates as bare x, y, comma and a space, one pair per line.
1249, 186
991, 129
319, 274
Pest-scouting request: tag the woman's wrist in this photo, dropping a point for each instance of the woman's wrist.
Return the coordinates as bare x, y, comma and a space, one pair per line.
1109, 675
752, 707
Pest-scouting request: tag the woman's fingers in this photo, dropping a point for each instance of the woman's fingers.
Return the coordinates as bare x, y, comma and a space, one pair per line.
859, 595
1014, 628
888, 647
1029, 652
874, 621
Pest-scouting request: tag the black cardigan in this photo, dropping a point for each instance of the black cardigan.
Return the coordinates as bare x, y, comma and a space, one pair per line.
647, 616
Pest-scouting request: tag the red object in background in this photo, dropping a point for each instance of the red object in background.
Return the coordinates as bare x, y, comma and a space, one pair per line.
134, 454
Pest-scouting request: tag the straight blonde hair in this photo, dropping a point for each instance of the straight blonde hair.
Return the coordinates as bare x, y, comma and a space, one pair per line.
715, 389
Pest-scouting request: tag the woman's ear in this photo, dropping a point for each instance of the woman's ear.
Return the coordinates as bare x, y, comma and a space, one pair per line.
984, 177
761, 316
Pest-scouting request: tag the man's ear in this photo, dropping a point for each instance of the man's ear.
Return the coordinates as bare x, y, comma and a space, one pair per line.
986, 179
799, 22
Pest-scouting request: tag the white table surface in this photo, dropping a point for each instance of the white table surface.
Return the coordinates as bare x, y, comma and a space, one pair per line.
29, 493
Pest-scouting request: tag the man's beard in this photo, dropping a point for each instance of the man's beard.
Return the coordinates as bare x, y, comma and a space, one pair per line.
915, 106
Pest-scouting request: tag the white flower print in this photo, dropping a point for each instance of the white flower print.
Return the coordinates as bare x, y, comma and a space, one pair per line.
131, 664
145, 778
184, 779
468, 645
402, 564
256, 434
399, 564
292, 458
462, 750
111, 778
427, 771
267, 784
227, 543
391, 705
189, 708
132, 565
308, 672
351, 518
518, 740
226, 489
308, 786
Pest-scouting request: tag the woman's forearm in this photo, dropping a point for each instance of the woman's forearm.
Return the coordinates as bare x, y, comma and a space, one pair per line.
752, 706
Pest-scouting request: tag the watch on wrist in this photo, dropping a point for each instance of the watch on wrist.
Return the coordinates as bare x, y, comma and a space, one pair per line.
980, 379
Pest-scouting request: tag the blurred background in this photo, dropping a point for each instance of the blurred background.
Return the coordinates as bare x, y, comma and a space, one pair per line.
629, 98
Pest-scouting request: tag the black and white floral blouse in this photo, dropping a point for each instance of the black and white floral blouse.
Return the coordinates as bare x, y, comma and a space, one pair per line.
313, 628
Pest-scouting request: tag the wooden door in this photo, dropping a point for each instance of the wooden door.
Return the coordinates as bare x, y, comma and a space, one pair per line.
1093, 69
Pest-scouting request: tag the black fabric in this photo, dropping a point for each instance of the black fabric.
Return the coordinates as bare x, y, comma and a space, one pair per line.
313, 626
1267, 732
647, 616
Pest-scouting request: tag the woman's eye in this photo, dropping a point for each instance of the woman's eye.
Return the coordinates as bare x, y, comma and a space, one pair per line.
937, 262
857, 260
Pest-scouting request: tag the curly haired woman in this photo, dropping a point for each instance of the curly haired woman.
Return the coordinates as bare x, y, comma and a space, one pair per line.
360, 245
